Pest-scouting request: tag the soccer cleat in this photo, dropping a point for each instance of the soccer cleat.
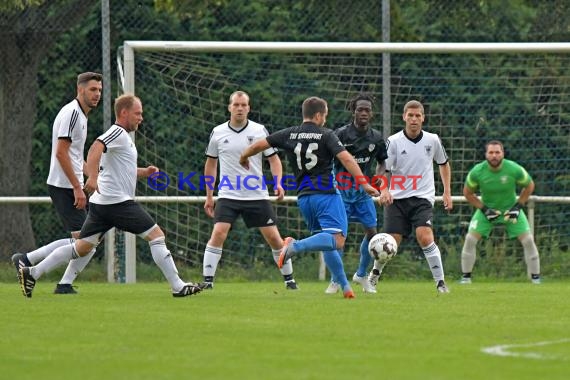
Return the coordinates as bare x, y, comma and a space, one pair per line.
441, 287
291, 285
373, 278
349, 294
207, 285
189, 289
465, 280
27, 282
285, 253
366, 285
536, 281
20, 260
64, 289
333, 288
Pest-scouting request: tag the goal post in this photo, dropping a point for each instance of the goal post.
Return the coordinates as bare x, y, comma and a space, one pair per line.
516, 92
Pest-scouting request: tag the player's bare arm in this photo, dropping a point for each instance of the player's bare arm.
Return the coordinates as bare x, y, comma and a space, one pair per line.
277, 170
62, 155
93, 160
526, 192
350, 164
490, 214
383, 184
253, 149
210, 170
146, 172
445, 173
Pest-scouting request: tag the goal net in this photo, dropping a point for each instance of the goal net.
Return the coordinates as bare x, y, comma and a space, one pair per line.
472, 93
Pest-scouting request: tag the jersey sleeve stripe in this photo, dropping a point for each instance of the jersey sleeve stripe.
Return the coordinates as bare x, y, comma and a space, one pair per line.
111, 137
72, 122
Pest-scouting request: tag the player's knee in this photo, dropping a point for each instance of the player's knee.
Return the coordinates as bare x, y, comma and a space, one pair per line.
424, 236
83, 247
529, 246
153, 233
370, 232
470, 243
339, 239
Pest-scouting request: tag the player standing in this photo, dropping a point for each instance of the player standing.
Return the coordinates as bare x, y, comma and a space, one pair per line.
367, 146
411, 153
227, 141
65, 179
497, 179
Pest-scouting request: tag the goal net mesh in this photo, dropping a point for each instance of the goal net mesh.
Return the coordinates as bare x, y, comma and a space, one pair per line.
521, 99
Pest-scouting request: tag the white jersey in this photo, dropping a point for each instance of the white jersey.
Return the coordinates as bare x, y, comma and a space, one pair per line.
71, 124
411, 164
226, 144
117, 169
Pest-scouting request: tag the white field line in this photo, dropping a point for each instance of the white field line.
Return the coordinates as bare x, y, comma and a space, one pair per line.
505, 350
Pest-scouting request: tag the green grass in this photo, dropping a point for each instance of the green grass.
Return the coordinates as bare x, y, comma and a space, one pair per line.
258, 330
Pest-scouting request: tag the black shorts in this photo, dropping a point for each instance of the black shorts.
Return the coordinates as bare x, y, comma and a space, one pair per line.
127, 216
257, 213
63, 200
403, 214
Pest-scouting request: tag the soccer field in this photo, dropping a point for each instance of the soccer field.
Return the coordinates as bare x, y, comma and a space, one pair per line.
260, 331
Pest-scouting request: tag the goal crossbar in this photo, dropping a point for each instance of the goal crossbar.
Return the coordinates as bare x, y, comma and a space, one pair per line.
349, 47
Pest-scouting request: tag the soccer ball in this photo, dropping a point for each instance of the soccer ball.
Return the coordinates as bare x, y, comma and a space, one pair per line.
382, 247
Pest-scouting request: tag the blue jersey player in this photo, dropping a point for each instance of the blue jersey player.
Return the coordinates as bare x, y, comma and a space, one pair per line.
311, 149
367, 146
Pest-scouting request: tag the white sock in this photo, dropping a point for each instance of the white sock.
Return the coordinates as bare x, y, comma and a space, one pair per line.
58, 257
43, 252
531, 254
212, 256
468, 255
162, 257
379, 266
433, 257
75, 267
287, 268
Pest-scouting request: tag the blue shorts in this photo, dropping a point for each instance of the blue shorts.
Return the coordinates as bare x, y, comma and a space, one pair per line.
323, 213
363, 212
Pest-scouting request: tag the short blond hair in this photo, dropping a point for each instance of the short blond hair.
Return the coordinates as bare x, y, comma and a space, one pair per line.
238, 93
124, 102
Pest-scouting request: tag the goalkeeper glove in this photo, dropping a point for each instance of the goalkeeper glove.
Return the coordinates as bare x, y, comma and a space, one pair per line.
512, 215
490, 213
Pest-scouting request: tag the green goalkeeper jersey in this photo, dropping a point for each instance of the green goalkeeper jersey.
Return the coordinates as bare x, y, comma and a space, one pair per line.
497, 187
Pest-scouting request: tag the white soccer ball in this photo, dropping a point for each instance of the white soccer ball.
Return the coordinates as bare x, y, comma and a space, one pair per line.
382, 247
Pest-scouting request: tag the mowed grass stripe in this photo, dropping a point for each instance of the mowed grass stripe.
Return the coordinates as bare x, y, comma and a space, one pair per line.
261, 331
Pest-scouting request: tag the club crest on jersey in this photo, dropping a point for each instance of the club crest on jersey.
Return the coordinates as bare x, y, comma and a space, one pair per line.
250, 140
427, 149
504, 179
371, 147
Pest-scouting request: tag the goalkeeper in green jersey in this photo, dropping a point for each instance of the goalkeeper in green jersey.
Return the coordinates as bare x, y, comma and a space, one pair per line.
497, 179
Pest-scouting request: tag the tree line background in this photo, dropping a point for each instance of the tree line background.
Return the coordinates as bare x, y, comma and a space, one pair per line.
44, 44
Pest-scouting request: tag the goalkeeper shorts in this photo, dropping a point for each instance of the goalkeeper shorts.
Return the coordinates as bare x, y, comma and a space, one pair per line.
483, 227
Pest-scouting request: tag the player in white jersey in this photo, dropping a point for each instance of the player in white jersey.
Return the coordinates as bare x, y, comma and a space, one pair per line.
240, 191
112, 165
65, 179
411, 153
